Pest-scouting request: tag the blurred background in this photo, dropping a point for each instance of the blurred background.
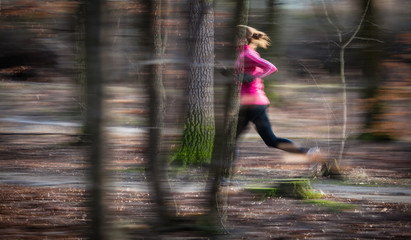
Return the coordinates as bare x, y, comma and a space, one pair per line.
344, 76
42, 46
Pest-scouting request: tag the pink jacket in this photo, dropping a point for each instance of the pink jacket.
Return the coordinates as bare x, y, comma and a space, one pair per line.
253, 93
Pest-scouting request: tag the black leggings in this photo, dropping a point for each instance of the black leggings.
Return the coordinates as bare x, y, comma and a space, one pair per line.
257, 115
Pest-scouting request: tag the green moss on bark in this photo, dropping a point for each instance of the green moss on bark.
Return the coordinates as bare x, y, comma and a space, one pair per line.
196, 147
293, 188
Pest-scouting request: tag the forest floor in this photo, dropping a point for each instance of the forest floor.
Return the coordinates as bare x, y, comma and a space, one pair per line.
43, 180
43, 193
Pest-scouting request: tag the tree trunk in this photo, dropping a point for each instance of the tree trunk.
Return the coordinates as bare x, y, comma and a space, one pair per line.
81, 78
232, 101
94, 122
226, 125
156, 158
371, 58
198, 135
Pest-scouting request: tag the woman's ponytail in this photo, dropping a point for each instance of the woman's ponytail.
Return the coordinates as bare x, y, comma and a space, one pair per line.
253, 36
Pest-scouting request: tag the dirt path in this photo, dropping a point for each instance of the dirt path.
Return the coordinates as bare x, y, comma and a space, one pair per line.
373, 193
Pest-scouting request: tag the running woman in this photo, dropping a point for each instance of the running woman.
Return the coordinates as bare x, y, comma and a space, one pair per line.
250, 71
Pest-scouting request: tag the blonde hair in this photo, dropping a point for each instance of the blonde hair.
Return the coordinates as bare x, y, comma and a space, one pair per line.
252, 36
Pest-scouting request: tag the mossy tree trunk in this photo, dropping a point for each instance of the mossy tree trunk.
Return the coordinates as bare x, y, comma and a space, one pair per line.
198, 134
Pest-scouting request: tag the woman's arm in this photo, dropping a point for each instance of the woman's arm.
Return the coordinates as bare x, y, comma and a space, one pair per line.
267, 67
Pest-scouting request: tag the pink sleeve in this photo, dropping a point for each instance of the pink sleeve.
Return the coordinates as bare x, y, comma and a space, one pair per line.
265, 65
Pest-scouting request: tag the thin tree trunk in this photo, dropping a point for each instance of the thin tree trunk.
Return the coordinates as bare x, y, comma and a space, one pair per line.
344, 100
226, 125
371, 56
156, 158
343, 81
333, 168
232, 101
94, 121
80, 51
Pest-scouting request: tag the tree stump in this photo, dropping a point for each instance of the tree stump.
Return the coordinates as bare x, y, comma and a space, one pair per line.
292, 188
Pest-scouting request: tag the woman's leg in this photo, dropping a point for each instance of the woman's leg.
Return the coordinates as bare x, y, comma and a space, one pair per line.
263, 127
243, 119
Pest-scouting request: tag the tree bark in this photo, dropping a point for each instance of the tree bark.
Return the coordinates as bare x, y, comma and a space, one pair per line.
198, 134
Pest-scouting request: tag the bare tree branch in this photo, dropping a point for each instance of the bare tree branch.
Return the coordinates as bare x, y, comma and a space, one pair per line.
331, 21
358, 26
369, 39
